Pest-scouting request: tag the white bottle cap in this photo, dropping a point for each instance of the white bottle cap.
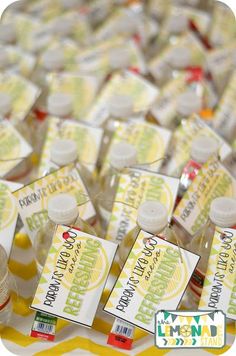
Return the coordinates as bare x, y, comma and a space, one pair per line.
179, 57
120, 106
223, 212
152, 216
123, 155
4, 58
53, 59
69, 4
119, 58
63, 209
7, 33
63, 27
203, 147
64, 152
188, 103
60, 104
177, 24
5, 104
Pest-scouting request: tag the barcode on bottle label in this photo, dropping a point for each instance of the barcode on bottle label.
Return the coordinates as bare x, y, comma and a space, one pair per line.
123, 330
44, 326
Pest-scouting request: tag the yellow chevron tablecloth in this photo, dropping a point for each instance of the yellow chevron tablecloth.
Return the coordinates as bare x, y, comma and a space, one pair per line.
70, 338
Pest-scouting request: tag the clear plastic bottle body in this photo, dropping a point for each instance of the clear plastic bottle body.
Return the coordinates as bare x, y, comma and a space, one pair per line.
201, 245
5, 298
109, 184
44, 238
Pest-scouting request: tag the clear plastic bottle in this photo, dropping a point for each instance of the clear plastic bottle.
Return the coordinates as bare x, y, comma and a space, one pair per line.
64, 152
120, 108
59, 105
8, 34
5, 282
222, 214
153, 218
62, 210
188, 103
202, 148
52, 61
122, 155
22, 170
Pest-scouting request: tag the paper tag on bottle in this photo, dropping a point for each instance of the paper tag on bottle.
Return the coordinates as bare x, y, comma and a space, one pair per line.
12, 146
224, 121
22, 92
32, 199
154, 277
134, 188
82, 88
8, 213
182, 141
87, 138
20, 62
150, 141
74, 276
219, 290
222, 29
97, 58
212, 181
44, 327
142, 92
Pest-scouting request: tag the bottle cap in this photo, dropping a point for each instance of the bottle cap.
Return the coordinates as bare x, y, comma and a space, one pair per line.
203, 147
4, 58
69, 4
177, 23
119, 58
188, 103
123, 155
62, 209
64, 152
5, 104
152, 216
223, 212
63, 27
120, 106
7, 33
179, 57
53, 59
60, 104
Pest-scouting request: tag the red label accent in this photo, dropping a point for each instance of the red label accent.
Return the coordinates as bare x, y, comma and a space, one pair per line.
37, 334
120, 341
191, 169
40, 115
194, 74
4, 304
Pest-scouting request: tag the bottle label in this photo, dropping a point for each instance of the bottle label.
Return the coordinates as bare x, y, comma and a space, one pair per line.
74, 275
219, 289
154, 277
196, 282
32, 199
135, 187
121, 335
4, 291
212, 181
89, 141
8, 213
12, 146
44, 326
